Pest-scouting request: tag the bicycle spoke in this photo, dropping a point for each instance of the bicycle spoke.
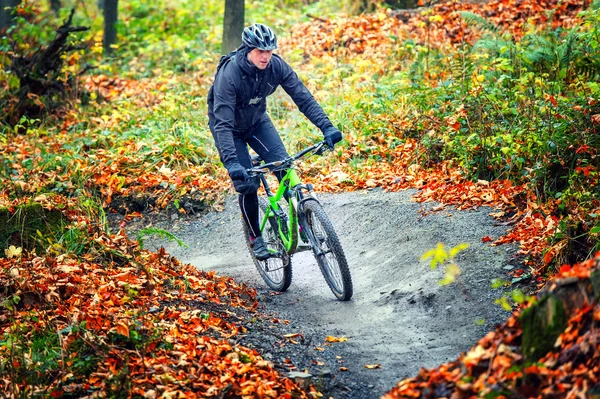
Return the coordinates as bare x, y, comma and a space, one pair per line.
276, 271
329, 253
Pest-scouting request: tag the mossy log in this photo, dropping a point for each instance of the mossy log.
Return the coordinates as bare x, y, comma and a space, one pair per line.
19, 226
544, 321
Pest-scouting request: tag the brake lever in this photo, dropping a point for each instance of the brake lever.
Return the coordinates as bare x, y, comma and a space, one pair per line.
322, 149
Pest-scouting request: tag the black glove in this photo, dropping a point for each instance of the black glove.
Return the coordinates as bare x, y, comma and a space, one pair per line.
237, 172
332, 136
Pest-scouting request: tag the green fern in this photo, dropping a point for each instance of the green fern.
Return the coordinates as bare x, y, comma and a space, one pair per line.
153, 231
562, 57
461, 68
538, 51
495, 46
478, 21
493, 41
588, 71
568, 51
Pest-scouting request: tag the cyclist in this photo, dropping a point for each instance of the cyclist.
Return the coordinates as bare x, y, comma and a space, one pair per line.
237, 116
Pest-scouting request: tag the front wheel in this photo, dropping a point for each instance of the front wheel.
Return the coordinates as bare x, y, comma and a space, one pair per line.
328, 251
276, 271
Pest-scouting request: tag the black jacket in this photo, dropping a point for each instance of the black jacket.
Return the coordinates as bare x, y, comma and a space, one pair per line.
237, 99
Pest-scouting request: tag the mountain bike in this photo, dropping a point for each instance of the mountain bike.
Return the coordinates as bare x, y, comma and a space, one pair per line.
291, 214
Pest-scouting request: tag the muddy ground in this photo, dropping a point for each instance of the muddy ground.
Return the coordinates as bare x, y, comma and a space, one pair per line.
400, 317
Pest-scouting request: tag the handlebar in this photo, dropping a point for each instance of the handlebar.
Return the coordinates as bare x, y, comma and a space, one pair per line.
317, 149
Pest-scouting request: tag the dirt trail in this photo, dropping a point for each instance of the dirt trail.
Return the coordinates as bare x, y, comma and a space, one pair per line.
399, 317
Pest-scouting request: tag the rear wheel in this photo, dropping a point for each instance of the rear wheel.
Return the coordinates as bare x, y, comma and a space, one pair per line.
277, 270
328, 252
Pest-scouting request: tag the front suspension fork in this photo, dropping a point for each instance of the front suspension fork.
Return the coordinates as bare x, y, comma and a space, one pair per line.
303, 221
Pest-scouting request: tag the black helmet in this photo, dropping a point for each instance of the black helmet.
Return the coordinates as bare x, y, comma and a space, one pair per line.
259, 36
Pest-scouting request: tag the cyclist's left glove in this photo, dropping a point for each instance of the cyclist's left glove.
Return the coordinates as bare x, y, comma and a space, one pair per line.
237, 172
332, 136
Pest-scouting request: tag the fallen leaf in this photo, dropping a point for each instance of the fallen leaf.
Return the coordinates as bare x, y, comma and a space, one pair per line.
293, 335
165, 170
123, 329
336, 339
13, 252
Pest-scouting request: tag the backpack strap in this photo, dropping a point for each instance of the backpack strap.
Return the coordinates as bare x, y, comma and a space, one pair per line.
224, 59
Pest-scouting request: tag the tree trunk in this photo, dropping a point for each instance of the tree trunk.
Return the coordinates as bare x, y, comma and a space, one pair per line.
110, 28
233, 25
55, 6
6, 6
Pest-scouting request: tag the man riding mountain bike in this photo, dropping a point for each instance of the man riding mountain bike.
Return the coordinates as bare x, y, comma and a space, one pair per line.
237, 116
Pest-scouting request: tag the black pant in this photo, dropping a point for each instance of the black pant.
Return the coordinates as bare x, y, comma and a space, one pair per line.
265, 141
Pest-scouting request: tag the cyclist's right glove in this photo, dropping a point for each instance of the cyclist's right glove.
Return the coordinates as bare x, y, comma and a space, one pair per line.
237, 172
332, 135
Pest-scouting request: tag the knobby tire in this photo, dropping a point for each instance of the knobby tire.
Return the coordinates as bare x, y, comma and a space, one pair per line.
333, 263
275, 271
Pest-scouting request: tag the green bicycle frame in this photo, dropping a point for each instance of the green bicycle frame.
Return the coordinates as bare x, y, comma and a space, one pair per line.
289, 181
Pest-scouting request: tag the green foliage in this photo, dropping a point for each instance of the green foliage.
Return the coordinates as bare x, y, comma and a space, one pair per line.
38, 68
519, 110
516, 296
25, 225
35, 359
74, 240
144, 234
440, 256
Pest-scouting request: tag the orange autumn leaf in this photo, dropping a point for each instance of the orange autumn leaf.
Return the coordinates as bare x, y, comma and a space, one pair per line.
502, 361
123, 329
548, 256
335, 339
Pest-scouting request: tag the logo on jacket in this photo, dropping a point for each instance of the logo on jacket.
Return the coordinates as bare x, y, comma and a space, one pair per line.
255, 100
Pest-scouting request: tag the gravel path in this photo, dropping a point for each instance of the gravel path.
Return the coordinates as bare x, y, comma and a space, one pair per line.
399, 317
